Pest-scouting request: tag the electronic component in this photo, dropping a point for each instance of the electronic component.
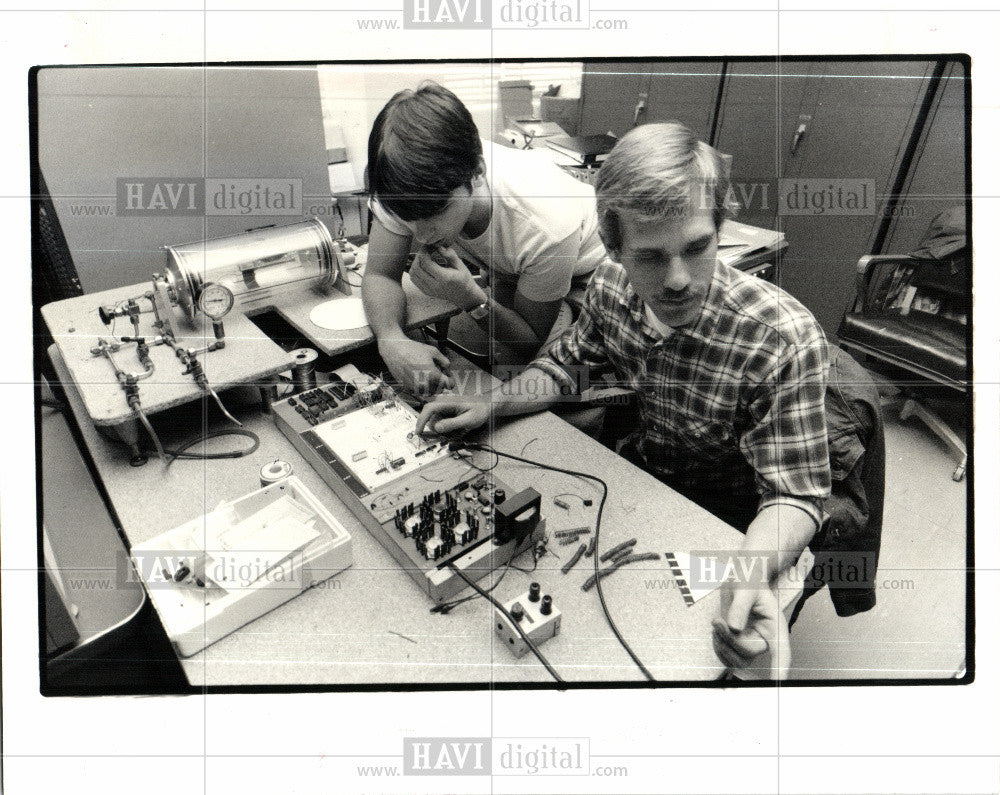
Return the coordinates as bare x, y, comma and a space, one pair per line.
616, 549
421, 507
538, 618
617, 563
573, 560
573, 533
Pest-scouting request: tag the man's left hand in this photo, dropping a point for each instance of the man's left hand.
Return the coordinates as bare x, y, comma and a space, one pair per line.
440, 273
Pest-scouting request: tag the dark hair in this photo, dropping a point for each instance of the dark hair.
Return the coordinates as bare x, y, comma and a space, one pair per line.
423, 145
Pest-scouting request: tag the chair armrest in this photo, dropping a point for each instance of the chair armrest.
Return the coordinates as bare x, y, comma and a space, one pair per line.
868, 268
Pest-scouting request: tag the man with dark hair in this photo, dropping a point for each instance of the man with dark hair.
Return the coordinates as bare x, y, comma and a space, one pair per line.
729, 371
514, 213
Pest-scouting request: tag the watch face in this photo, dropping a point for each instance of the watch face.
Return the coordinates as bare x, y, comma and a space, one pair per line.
216, 300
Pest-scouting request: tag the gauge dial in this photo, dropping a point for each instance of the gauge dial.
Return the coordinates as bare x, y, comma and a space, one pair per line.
216, 300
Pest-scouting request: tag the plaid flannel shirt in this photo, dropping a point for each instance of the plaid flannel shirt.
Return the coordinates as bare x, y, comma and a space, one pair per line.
732, 403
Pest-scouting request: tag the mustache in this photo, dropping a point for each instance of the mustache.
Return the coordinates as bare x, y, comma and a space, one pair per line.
676, 298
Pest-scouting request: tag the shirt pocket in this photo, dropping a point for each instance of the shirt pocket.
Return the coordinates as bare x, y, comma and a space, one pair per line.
706, 437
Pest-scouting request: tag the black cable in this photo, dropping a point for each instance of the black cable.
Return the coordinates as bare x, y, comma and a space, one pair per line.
515, 624
479, 468
446, 607
597, 534
534, 567
180, 451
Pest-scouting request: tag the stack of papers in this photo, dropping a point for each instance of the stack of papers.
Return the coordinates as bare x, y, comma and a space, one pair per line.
738, 240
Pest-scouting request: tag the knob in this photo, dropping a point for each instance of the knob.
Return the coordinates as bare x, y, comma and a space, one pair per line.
546, 608
534, 592
517, 613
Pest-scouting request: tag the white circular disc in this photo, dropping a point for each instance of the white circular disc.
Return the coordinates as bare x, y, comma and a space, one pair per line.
340, 314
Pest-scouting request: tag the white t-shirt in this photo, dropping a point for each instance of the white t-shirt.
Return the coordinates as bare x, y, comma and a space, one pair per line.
543, 228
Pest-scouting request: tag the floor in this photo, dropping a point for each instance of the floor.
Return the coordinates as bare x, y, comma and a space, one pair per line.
917, 628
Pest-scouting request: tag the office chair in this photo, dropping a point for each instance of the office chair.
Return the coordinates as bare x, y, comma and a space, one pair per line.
911, 318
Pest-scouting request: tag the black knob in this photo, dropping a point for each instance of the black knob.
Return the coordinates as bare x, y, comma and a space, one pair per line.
534, 592
499, 496
517, 613
546, 607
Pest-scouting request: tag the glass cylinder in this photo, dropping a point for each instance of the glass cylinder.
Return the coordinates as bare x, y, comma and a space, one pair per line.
255, 265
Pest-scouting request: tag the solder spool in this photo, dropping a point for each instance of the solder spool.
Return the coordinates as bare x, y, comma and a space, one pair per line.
275, 471
304, 369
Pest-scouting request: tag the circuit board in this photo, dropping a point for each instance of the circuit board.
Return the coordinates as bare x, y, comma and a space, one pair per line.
428, 505
377, 443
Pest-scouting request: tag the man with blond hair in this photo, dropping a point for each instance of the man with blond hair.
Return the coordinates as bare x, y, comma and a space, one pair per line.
729, 370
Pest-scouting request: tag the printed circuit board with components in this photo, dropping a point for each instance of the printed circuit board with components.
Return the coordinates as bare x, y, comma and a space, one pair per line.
430, 506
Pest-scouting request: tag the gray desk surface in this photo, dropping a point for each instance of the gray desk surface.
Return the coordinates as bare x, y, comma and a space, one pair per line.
371, 625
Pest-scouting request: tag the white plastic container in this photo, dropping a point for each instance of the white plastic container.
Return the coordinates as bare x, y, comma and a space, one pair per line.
207, 578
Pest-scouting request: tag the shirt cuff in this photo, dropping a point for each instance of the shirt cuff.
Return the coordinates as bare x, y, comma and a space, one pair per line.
548, 365
811, 507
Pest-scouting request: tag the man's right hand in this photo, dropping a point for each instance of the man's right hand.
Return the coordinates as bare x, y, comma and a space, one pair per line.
454, 414
421, 368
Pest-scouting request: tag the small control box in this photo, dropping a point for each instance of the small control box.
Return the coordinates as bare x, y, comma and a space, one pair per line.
537, 616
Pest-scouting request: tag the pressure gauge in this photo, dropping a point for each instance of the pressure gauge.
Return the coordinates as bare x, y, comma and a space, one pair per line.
216, 300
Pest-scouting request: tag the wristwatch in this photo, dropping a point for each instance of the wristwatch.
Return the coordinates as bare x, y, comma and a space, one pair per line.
481, 311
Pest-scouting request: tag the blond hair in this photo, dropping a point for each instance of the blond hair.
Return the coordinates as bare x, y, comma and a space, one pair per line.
657, 171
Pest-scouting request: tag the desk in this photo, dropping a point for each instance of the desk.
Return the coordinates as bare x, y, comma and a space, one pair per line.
370, 625
421, 310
